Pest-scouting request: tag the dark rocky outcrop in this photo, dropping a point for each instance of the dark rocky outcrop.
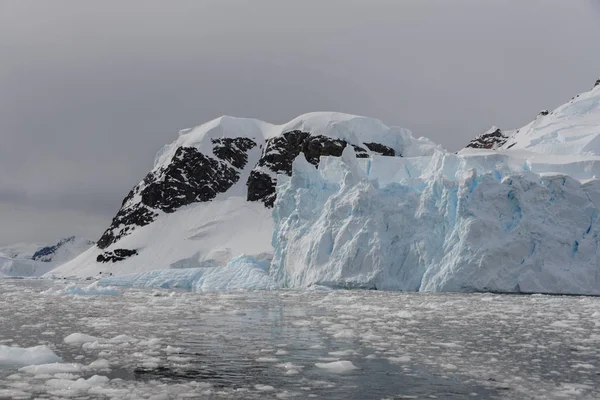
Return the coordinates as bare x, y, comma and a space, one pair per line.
190, 177
234, 151
492, 139
115, 255
45, 254
279, 153
597, 83
381, 149
544, 112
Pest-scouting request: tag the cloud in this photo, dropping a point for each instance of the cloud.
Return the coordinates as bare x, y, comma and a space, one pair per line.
90, 91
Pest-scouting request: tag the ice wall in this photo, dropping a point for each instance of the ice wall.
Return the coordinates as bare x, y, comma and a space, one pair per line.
444, 223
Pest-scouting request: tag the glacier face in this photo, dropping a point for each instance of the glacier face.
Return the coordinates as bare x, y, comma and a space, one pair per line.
451, 228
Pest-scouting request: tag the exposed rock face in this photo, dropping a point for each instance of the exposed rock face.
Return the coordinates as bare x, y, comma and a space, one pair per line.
190, 177
47, 253
279, 153
58, 252
115, 255
492, 139
597, 83
381, 149
543, 113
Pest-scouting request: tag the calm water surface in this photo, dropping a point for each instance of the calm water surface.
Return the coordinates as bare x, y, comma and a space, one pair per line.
293, 344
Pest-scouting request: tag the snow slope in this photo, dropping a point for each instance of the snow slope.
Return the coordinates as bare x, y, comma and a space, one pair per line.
210, 233
571, 129
198, 235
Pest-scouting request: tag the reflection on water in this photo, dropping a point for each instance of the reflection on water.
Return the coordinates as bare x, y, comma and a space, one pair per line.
267, 344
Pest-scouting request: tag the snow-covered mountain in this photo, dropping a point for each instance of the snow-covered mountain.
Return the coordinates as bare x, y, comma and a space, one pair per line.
32, 259
63, 250
209, 195
515, 211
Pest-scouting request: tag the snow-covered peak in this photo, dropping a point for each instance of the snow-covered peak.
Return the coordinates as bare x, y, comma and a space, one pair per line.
350, 128
571, 129
31, 259
492, 139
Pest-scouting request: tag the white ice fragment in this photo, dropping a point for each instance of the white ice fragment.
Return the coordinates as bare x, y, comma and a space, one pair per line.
27, 356
267, 359
264, 388
337, 366
99, 364
398, 360
79, 338
52, 368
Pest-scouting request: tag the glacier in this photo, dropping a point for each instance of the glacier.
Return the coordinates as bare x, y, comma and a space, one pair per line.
516, 216
458, 225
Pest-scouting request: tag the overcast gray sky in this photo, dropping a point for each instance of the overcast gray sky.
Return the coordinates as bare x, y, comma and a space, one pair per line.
89, 91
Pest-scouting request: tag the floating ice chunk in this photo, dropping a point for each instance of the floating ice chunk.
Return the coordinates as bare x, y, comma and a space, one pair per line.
173, 350
80, 338
344, 334
80, 384
27, 356
99, 364
90, 290
398, 360
122, 339
264, 388
267, 359
290, 367
449, 345
14, 394
337, 366
53, 368
342, 353
449, 366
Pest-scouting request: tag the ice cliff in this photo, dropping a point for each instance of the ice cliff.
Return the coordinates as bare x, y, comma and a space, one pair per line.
496, 230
